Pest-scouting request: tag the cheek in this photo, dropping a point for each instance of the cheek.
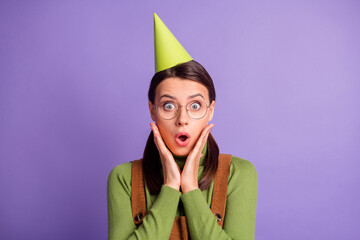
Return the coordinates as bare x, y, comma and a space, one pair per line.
165, 131
201, 124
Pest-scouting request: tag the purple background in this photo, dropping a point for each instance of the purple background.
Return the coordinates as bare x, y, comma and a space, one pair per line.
73, 104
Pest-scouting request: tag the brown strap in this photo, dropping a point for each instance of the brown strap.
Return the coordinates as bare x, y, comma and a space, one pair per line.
179, 230
138, 201
220, 188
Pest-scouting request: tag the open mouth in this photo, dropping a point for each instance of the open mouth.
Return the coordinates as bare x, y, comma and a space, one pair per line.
182, 139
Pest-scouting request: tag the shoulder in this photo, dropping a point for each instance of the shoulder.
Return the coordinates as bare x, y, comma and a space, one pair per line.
242, 170
121, 170
119, 178
242, 165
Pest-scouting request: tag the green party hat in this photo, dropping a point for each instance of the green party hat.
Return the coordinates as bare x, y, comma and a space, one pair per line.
168, 50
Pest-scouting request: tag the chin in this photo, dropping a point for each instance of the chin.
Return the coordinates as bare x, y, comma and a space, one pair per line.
180, 152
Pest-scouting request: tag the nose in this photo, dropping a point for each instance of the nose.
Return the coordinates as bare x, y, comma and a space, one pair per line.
182, 117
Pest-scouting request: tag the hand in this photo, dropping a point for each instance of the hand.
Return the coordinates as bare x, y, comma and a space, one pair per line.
189, 175
171, 170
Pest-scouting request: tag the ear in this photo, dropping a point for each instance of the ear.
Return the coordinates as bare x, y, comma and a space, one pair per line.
211, 110
152, 110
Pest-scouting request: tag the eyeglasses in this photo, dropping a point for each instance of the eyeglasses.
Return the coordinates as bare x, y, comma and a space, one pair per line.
195, 109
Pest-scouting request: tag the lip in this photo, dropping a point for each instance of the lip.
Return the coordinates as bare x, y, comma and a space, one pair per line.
182, 143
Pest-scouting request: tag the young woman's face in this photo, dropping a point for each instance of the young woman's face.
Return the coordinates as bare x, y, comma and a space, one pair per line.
176, 91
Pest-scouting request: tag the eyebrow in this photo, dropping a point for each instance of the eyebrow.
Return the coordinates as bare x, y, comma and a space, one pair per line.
172, 97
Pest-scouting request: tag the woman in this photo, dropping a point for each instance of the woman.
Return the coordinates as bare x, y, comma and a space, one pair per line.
179, 165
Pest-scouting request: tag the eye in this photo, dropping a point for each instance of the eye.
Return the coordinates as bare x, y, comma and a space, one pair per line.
195, 106
168, 106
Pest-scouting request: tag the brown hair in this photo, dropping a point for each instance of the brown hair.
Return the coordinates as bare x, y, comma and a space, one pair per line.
191, 70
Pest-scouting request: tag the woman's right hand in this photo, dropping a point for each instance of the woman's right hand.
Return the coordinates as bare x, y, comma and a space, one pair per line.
171, 170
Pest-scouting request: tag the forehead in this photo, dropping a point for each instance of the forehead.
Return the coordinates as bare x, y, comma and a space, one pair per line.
181, 88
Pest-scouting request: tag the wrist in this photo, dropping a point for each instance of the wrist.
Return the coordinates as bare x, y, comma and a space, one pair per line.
188, 188
173, 185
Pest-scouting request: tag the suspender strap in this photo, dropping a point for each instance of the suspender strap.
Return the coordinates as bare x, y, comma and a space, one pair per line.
138, 201
180, 230
220, 188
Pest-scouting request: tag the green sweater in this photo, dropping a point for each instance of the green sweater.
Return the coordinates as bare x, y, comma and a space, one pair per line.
239, 221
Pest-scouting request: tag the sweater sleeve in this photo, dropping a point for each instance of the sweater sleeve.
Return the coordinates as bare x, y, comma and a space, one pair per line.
240, 212
157, 223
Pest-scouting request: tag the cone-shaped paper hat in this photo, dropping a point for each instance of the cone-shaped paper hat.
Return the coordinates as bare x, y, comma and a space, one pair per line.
168, 50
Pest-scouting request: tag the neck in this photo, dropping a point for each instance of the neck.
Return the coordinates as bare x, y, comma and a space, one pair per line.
180, 160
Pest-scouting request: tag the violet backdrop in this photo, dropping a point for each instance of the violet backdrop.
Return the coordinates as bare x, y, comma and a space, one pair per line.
73, 104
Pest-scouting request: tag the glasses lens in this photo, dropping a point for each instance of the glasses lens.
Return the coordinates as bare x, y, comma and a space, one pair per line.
196, 109
167, 109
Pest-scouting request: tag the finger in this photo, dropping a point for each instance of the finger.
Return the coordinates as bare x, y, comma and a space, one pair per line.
158, 135
158, 138
204, 136
199, 146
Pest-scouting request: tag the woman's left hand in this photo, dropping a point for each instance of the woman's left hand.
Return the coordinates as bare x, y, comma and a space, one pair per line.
189, 175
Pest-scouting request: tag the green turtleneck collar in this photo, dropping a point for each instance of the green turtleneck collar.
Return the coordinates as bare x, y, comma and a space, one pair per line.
180, 160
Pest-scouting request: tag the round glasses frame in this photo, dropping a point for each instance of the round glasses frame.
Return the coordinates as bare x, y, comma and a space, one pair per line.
187, 110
